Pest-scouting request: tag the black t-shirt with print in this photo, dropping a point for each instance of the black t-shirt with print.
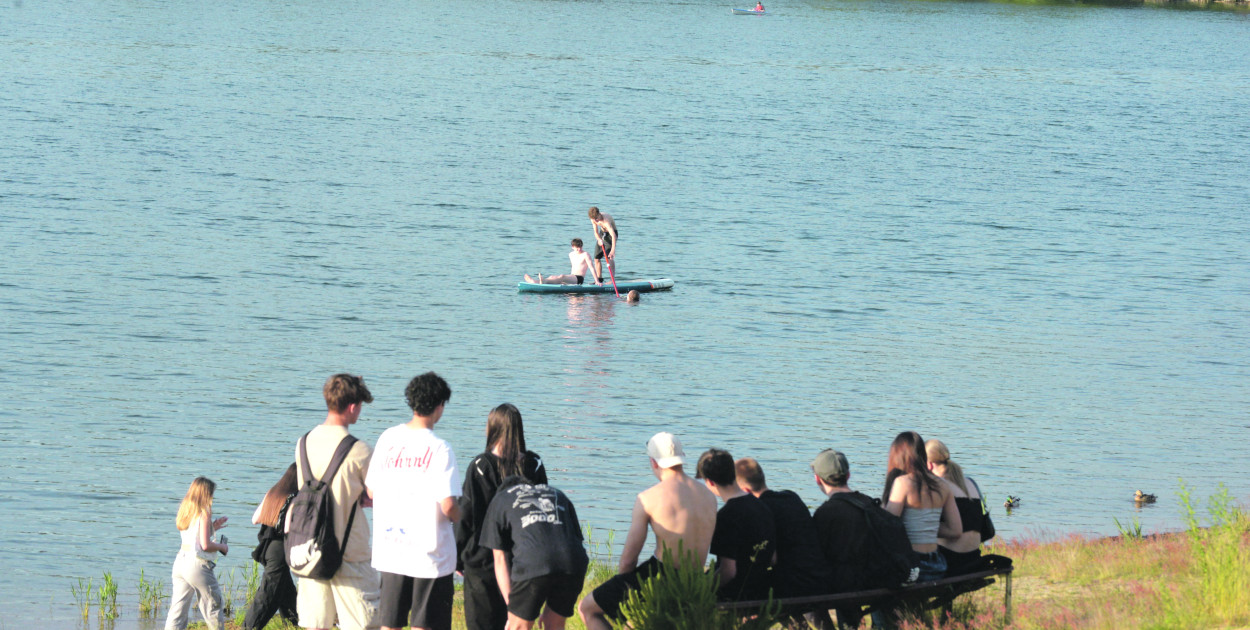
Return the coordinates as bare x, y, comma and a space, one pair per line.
537, 525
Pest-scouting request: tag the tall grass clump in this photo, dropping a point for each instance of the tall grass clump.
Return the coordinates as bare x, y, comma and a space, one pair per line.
601, 566
227, 606
253, 583
1132, 531
107, 595
1219, 594
150, 596
82, 596
684, 598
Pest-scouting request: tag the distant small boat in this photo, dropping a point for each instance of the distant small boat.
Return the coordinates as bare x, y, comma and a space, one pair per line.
747, 12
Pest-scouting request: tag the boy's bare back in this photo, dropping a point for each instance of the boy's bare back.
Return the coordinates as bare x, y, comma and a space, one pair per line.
680, 510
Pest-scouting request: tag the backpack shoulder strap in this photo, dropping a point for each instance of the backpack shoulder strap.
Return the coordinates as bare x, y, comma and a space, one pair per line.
852, 498
305, 467
340, 454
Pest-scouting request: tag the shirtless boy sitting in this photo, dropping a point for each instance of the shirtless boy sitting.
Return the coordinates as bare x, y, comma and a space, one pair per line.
581, 263
681, 513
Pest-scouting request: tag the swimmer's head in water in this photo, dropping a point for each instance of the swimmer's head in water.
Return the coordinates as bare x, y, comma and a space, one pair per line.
632, 296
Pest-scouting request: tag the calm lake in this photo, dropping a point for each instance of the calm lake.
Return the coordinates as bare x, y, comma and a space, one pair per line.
1020, 229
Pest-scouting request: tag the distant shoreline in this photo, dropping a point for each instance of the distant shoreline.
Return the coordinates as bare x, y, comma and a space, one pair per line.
1218, 5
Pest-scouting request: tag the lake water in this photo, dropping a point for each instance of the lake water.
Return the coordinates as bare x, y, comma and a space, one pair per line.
1020, 229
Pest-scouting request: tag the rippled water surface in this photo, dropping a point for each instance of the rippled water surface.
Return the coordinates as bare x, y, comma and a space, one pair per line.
1020, 229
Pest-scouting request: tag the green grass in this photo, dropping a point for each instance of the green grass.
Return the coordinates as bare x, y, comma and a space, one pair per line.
1199, 578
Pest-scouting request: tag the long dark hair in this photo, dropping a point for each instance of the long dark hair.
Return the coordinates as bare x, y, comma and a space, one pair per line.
271, 505
907, 457
505, 430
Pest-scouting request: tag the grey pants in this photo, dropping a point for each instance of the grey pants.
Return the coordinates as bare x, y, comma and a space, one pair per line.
193, 576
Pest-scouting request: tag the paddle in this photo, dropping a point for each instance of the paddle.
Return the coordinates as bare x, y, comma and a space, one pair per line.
608, 261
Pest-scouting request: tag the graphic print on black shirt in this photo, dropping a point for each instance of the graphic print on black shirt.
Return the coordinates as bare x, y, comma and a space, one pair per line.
537, 526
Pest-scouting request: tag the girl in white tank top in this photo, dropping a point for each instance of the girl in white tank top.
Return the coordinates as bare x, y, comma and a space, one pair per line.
193, 567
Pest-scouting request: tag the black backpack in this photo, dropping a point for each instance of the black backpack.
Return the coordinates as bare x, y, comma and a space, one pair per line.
312, 549
892, 563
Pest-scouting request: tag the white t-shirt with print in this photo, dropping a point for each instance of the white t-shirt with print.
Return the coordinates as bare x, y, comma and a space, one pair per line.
412, 470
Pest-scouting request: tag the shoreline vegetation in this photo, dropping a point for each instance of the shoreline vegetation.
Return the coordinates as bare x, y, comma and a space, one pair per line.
1197, 578
1182, 5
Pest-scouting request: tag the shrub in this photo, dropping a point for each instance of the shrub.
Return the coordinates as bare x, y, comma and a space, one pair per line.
1219, 595
684, 598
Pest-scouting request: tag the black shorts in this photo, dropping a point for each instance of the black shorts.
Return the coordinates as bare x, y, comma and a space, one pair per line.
607, 244
419, 602
610, 594
580, 279
558, 591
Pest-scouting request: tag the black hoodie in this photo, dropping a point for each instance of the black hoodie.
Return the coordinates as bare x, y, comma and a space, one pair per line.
481, 481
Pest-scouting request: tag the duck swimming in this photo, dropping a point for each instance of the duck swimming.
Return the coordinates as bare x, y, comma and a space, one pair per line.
1142, 497
1011, 502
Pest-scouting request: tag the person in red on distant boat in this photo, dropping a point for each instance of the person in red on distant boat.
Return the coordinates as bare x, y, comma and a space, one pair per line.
759, 6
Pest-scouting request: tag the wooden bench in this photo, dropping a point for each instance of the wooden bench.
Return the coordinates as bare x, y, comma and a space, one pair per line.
929, 595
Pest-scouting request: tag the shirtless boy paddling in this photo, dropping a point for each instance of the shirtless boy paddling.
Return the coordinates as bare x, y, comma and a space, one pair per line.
605, 238
680, 511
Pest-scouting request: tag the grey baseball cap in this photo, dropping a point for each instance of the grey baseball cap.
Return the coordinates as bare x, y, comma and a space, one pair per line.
831, 466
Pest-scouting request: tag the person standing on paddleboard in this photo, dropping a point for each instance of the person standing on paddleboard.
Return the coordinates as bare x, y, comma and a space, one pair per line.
605, 237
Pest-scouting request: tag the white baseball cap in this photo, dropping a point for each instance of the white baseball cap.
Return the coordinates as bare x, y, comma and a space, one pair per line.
666, 450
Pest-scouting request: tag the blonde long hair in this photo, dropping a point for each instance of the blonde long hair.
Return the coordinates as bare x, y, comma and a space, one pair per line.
197, 503
939, 454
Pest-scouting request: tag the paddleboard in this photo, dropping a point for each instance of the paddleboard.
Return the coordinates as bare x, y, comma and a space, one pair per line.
641, 286
747, 12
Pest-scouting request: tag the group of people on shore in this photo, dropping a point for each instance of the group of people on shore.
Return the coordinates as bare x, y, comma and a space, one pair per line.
517, 540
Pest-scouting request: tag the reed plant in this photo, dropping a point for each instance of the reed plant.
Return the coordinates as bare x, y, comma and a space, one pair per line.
227, 606
150, 596
82, 596
1132, 531
252, 575
107, 596
602, 566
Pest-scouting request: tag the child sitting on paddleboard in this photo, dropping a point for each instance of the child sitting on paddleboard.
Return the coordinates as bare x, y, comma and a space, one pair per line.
759, 6
581, 265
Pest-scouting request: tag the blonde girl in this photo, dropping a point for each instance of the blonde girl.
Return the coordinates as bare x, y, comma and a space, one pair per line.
193, 567
962, 552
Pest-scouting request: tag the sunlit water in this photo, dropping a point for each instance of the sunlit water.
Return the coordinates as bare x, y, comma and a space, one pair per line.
1020, 229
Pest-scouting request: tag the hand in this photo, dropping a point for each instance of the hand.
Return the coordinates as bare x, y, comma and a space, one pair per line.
220, 522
